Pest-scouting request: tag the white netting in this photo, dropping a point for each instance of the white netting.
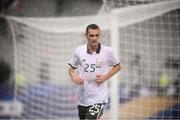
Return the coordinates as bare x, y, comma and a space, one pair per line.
149, 41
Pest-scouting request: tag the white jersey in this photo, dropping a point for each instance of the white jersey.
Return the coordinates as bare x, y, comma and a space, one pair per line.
89, 65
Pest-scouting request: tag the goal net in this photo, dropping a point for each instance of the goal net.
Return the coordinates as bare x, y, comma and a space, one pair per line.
145, 34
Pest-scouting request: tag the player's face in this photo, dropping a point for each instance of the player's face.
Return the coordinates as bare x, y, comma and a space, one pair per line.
93, 37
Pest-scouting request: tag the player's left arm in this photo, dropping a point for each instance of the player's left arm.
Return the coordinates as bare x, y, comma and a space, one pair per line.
103, 77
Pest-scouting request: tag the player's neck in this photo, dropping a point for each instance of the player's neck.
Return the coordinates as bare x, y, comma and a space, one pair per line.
92, 48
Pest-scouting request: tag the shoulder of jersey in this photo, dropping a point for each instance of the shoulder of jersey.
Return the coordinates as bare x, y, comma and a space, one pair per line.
81, 48
107, 48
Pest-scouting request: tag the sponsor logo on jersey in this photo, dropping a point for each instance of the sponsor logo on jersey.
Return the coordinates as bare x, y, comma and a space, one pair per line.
84, 60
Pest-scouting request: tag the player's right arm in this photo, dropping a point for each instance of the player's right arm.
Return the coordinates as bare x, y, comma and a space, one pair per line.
72, 66
76, 79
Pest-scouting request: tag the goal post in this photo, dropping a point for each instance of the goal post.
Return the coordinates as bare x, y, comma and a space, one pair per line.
114, 83
145, 37
128, 16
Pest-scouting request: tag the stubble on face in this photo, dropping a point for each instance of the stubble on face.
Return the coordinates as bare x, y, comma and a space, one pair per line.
93, 37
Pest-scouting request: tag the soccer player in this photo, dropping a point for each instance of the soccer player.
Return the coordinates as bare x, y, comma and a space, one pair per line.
96, 64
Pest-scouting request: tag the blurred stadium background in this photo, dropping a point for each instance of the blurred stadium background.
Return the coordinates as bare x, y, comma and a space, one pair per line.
37, 38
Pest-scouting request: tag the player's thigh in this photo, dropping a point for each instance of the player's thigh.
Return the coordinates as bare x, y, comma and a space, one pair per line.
82, 112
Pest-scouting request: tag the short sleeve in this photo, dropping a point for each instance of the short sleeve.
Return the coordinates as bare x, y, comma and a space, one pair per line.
74, 62
113, 60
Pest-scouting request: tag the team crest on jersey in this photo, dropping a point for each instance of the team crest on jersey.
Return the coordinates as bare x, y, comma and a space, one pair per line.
99, 62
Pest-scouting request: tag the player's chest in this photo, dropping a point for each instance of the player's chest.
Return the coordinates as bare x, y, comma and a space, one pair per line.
93, 60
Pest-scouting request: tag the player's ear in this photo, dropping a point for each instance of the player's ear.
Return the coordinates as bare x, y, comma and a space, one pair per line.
86, 33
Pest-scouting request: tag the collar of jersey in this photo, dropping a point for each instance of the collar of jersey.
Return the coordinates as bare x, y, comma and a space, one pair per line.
97, 50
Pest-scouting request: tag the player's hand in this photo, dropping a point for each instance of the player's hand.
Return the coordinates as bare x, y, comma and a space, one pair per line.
100, 78
77, 80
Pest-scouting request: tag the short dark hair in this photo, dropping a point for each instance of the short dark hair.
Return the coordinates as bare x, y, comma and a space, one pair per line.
92, 26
